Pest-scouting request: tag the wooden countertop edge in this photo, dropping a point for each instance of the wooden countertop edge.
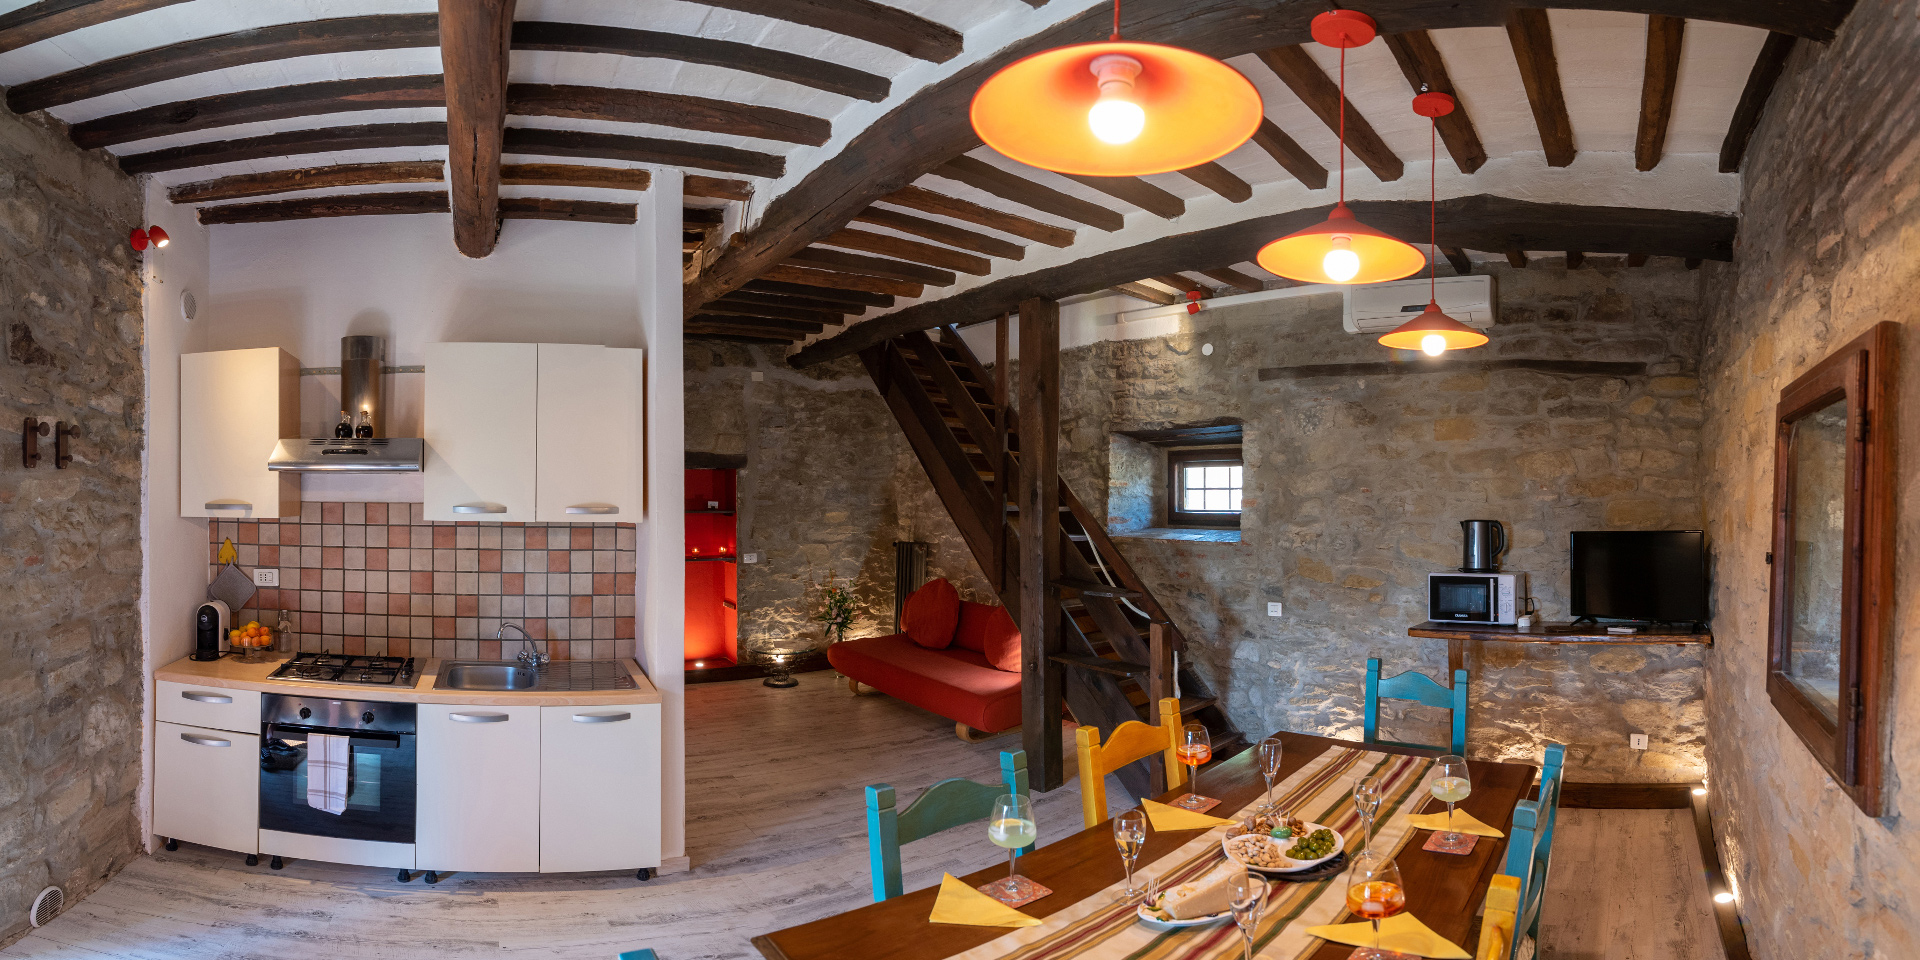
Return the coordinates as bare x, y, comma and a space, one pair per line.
1509, 635
233, 675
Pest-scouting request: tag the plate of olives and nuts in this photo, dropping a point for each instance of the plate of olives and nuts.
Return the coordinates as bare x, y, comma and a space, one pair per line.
1276, 844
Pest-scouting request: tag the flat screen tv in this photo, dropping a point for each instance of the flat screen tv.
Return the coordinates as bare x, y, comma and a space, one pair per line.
1658, 575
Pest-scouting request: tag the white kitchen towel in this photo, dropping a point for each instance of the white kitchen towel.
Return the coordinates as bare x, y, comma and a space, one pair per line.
328, 776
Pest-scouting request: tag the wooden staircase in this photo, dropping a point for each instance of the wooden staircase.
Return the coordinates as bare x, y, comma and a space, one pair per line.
1118, 651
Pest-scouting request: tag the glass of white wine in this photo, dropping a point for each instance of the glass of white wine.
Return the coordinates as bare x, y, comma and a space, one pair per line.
1011, 827
1366, 802
1271, 751
1130, 834
1451, 787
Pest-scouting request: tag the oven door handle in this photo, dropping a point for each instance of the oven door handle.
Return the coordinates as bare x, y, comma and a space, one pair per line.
381, 741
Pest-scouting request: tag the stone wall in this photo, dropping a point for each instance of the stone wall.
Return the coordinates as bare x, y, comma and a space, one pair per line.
70, 675
830, 484
1829, 245
1357, 483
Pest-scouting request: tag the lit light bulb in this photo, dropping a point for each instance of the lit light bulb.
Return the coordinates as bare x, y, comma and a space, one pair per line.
1341, 263
1115, 118
1723, 897
1433, 344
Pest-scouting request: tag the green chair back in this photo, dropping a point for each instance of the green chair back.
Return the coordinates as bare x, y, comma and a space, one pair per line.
1422, 689
944, 805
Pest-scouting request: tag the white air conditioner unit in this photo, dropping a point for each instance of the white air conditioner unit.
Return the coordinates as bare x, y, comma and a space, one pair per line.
1380, 307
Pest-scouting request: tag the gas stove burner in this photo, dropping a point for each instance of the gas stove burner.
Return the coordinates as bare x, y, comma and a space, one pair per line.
349, 670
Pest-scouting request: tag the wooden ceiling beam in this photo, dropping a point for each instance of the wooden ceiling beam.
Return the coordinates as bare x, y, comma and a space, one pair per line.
876, 23
1662, 75
1420, 61
547, 141
1182, 283
1476, 222
1531, 37
291, 143
927, 201
982, 175
474, 46
1457, 259
254, 106
726, 308
798, 328
716, 335
1234, 278
1140, 291
717, 188
944, 232
745, 297
914, 250
840, 260
244, 185
1220, 180
1290, 155
782, 273
573, 211
574, 175
1575, 258
1636, 259
858, 298
50, 18
764, 61
1517, 259
1753, 99
705, 216
307, 208
1321, 94
621, 105
1138, 192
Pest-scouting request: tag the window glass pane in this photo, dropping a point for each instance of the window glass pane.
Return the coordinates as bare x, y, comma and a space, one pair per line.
1195, 500
1216, 499
1233, 477
1196, 477
1217, 477
1233, 500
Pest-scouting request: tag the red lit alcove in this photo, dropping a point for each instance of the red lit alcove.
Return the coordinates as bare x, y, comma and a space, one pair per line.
712, 635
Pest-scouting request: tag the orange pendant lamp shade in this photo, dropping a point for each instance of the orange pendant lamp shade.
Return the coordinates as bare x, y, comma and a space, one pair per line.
1433, 333
1341, 250
1116, 109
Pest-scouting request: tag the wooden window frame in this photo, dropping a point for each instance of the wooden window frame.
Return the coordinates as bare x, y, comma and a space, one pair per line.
1176, 459
1853, 749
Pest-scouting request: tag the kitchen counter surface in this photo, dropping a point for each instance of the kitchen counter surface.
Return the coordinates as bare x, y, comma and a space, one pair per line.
229, 673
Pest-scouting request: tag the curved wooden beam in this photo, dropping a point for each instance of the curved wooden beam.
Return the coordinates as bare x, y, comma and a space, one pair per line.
51, 18
876, 23
666, 109
1753, 99
766, 62
253, 106
1477, 222
927, 201
307, 208
244, 185
545, 141
291, 143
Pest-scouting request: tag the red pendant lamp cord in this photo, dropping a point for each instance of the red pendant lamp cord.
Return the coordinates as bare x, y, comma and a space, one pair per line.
1343, 122
1116, 22
1433, 209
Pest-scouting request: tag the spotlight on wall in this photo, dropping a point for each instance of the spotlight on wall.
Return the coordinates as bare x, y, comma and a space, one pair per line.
155, 236
1699, 791
1723, 897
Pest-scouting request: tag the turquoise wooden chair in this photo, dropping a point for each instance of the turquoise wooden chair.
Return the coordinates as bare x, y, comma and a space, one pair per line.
1419, 688
946, 804
637, 955
1529, 845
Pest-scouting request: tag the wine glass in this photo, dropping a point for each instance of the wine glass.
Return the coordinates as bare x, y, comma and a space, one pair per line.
1011, 826
1366, 802
1195, 748
1130, 834
1249, 895
1451, 786
1374, 892
1270, 751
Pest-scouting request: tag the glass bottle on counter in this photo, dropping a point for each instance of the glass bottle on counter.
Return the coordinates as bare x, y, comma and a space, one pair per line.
344, 429
283, 635
365, 430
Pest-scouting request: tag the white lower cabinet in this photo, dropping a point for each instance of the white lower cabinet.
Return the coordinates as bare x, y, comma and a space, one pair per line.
599, 788
206, 786
479, 788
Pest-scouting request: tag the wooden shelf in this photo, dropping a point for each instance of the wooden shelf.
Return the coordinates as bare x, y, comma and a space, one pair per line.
724, 513
717, 558
1556, 633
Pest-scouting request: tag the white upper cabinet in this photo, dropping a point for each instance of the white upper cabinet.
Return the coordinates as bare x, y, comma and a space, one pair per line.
235, 405
589, 434
480, 421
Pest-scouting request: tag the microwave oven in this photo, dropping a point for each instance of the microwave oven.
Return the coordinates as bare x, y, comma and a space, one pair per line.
1497, 598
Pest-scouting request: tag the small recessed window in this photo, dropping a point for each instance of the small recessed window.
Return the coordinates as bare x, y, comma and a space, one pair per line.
1204, 487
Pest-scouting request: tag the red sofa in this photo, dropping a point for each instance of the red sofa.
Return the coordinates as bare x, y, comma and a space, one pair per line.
958, 681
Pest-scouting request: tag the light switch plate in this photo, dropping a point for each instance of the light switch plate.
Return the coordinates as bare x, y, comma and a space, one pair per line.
1274, 609
266, 577
749, 558
1637, 741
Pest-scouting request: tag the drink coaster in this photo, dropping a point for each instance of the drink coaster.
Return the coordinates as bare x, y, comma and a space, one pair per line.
1195, 803
1462, 843
1376, 953
1015, 891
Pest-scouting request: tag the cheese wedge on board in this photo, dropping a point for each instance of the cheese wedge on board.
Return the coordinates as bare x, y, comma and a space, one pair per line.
1211, 894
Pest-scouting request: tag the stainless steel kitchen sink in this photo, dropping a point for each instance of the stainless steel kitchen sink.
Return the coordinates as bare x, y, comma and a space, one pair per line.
556, 677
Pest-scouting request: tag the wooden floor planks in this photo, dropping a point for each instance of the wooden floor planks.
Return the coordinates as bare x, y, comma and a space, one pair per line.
1627, 885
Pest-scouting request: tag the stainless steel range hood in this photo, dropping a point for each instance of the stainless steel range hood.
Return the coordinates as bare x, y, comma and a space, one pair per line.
387, 455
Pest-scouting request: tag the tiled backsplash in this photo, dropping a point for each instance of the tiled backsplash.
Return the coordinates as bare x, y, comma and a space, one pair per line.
376, 578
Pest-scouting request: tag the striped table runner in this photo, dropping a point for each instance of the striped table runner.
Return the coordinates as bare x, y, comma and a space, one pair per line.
1321, 792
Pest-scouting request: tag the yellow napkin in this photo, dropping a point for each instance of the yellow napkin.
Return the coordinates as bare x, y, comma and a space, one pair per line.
959, 903
1164, 817
1402, 931
1463, 822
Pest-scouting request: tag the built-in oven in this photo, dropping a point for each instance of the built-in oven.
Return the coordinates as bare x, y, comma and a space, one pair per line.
381, 770
1497, 598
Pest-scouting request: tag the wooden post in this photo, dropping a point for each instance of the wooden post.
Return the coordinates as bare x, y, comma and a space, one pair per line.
473, 50
1040, 686
1160, 668
1002, 455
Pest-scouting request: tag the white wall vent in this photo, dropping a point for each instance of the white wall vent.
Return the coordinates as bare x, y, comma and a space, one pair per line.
1380, 307
46, 906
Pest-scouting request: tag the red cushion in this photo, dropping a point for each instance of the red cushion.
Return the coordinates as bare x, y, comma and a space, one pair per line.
957, 684
931, 614
972, 633
991, 632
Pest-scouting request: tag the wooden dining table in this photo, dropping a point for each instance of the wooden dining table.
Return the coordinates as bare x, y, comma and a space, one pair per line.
1443, 890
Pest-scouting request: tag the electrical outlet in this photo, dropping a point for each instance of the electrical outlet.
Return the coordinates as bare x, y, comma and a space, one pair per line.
1273, 609
749, 558
266, 577
1637, 741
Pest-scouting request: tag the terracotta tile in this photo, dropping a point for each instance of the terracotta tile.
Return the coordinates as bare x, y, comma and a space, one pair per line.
376, 558
269, 555
443, 537
466, 606
536, 538
581, 607
536, 626
559, 561
603, 583
421, 581
332, 513
310, 578
376, 513
289, 533
623, 584
399, 604
443, 628
399, 536
356, 603
513, 584
581, 538
560, 650
265, 598
398, 647
333, 558
490, 649
309, 621
247, 533
489, 561
623, 628
355, 646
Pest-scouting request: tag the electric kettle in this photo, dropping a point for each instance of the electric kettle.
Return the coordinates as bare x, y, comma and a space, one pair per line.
1484, 542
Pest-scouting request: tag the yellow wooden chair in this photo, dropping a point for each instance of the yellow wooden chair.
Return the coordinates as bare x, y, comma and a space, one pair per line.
1497, 923
1131, 741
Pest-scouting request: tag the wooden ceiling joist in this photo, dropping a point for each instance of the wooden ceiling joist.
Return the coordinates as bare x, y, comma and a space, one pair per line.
1656, 89
574, 211
1517, 259
782, 273
1457, 259
744, 297
944, 232
1220, 180
278, 42
307, 208
1236, 279
766, 62
50, 18
1420, 61
717, 188
1140, 291
843, 262
888, 245
858, 298
1290, 155
546, 141
474, 47
876, 23
717, 335
982, 175
1138, 192
243, 185
1321, 94
574, 175
621, 105
1181, 283
253, 106
1636, 259
291, 143
927, 201
705, 216
1531, 36
797, 327
726, 308
1575, 259
1753, 99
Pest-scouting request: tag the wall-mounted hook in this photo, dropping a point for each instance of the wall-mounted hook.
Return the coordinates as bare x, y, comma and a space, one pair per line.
30, 441
63, 434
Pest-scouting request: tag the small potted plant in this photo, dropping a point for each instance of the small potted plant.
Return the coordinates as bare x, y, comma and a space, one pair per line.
836, 611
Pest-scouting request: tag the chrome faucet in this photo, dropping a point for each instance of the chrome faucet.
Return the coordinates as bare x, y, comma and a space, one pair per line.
531, 656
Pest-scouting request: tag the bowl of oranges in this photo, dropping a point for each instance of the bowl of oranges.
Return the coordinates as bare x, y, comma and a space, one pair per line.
251, 642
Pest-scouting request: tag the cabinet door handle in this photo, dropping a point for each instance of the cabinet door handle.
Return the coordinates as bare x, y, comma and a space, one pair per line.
205, 697
229, 505
478, 717
205, 741
596, 509
479, 508
601, 717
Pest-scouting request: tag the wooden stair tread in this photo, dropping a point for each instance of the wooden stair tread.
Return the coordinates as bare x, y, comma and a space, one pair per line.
1117, 668
1089, 588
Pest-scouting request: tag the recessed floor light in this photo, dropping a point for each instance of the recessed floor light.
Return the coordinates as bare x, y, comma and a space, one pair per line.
1723, 897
